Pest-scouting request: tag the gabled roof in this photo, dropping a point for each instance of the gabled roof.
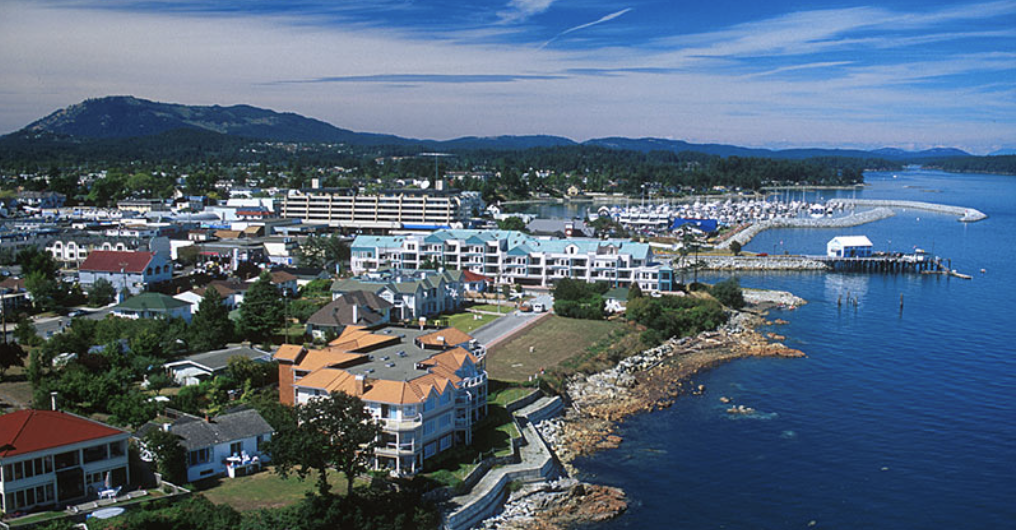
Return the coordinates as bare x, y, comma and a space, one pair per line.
196, 433
450, 336
27, 431
369, 310
282, 277
288, 352
853, 241
117, 260
152, 302
224, 290
216, 360
473, 277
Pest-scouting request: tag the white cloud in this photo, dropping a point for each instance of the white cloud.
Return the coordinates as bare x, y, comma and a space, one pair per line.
520, 10
601, 20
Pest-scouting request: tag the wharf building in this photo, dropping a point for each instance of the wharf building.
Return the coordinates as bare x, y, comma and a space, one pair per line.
346, 209
427, 388
516, 257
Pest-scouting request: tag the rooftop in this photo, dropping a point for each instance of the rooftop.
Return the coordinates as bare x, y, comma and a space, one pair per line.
152, 302
219, 359
27, 431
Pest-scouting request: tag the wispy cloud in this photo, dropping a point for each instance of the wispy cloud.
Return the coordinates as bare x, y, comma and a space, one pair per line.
520, 10
601, 20
417, 79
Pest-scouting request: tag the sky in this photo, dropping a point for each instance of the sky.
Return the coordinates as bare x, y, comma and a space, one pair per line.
774, 73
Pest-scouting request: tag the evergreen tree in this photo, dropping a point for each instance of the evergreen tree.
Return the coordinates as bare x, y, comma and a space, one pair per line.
634, 292
211, 328
101, 293
261, 312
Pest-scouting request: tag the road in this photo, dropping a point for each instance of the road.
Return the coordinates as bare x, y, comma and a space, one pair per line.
47, 327
506, 326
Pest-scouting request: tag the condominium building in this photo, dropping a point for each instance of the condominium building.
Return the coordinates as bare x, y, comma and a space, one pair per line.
426, 387
391, 210
516, 257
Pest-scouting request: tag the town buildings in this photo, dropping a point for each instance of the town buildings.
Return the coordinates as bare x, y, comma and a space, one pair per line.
51, 458
516, 257
426, 387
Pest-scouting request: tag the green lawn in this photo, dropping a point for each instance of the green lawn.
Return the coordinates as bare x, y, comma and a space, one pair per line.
492, 437
553, 341
502, 393
493, 308
468, 322
265, 489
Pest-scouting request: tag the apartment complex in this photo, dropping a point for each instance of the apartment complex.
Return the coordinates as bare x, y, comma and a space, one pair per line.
390, 210
516, 257
426, 387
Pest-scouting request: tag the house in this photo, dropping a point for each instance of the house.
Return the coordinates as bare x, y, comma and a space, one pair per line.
284, 282
615, 300
231, 298
50, 458
129, 272
305, 275
12, 294
41, 199
203, 366
413, 293
227, 444
153, 305
356, 308
849, 247
475, 283
427, 388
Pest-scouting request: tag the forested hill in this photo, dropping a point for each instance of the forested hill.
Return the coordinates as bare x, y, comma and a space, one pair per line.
1005, 165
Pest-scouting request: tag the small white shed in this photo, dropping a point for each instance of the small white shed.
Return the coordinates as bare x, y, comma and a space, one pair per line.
849, 247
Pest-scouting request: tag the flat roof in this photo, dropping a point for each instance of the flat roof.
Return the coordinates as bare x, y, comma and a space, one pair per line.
387, 363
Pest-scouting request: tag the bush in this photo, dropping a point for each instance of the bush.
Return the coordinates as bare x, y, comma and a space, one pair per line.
728, 292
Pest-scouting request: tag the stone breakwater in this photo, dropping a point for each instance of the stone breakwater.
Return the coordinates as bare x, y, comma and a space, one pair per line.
649, 381
965, 214
745, 236
754, 263
558, 505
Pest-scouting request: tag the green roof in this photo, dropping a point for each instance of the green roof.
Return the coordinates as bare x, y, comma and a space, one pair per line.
152, 302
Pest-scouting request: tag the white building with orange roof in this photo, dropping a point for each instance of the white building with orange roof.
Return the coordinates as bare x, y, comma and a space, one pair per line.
426, 387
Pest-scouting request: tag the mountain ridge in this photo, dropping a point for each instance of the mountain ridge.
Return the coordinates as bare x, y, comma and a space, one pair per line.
123, 117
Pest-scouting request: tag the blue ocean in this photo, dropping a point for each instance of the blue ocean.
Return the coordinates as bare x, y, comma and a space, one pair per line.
898, 418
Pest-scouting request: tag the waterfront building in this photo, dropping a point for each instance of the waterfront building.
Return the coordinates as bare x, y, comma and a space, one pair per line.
849, 247
426, 387
228, 444
389, 210
50, 458
516, 257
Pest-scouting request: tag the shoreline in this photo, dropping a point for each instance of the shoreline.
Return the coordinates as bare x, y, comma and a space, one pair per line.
645, 382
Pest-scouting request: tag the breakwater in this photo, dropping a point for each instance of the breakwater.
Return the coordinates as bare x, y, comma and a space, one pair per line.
965, 214
758, 263
745, 236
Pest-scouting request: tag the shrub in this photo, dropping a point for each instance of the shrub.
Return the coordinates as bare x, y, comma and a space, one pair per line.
728, 292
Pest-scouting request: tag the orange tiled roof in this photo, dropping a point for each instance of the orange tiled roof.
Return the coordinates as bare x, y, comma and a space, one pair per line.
450, 335
288, 352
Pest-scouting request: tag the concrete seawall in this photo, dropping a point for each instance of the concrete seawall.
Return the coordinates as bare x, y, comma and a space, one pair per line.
965, 214
745, 236
753, 263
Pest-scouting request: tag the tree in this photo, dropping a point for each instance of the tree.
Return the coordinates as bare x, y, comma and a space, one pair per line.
634, 292
261, 312
32, 260
323, 251
728, 292
512, 223
25, 333
101, 293
735, 247
11, 355
45, 290
335, 431
211, 327
170, 457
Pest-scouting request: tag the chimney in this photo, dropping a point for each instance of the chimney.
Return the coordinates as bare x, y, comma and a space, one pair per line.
165, 426
356, 313
360, 382
315, 183
52, 400
439, 184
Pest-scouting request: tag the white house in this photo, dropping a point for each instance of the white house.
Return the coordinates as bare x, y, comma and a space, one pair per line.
133, 272
51, 458
202, 366
231, 298
229, 444
849, 247
153, 305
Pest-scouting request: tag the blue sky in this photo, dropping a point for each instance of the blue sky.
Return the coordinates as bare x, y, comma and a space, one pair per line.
774, 74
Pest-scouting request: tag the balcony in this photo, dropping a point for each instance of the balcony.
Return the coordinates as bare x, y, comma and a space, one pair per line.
396, 449
402, 424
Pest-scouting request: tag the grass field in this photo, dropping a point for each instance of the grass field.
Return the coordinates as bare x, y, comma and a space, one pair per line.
491, 308
553, 340
467, 322
15, 389
265, 489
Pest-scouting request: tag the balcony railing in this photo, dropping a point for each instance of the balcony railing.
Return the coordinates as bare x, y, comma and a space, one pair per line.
400, 424
397, 448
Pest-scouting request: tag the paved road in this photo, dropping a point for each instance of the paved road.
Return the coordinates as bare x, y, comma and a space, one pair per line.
47, 327
505, 327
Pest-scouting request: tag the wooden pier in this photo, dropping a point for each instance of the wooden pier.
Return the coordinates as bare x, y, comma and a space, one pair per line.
889, 264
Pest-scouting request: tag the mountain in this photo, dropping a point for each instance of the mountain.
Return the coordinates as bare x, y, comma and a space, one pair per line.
1003, 152
128, 117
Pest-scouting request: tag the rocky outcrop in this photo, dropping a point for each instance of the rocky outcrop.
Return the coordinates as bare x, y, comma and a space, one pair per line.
558, 505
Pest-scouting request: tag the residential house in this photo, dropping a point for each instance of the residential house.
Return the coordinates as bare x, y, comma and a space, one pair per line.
357, 308
426, 387
224, 445
200, 367
41, 199
51, 459
231, 297
131, 272
153, 305
13, 295
412, 293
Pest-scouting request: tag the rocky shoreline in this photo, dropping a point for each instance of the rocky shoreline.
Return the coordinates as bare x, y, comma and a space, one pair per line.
644, 382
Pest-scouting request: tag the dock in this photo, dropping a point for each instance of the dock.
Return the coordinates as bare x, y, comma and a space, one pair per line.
890, 264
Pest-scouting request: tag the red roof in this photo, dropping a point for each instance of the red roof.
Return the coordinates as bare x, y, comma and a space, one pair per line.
117, 260
27, 431
471, 276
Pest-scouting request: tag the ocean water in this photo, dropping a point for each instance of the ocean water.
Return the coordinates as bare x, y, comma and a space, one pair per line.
897, 418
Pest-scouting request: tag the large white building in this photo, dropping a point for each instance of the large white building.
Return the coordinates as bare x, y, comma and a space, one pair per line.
427, 388
51, 458
392, 210
516, 257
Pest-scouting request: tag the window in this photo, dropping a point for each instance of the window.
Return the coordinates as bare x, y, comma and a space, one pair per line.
94, 454
116, 449
201, 456
260, 441
235, 448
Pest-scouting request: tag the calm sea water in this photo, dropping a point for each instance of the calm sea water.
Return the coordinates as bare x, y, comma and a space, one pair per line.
895, 420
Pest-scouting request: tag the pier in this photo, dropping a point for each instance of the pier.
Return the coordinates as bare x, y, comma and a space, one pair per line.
966, 215
892, 264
